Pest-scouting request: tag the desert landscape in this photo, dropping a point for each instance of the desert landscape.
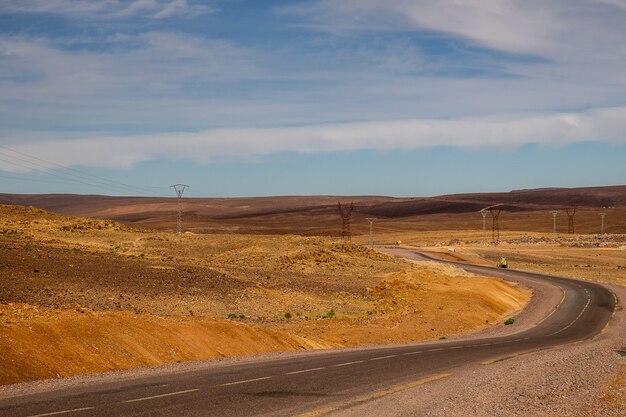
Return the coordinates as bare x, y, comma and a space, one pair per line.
85, 294
71, 284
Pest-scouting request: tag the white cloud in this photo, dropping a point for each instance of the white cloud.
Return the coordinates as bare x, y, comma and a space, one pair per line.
155, 81
107, 9
608, 124
550, 28
617, 3
38, 70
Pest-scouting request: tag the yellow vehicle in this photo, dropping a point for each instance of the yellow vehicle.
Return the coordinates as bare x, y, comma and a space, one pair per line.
502, 263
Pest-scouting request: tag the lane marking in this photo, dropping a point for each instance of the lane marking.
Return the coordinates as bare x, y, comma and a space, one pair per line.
244, 381
434, 350
369, 397
169, 394
413, 353
304, 370
348, 363
55, 413
383, 357
575, 320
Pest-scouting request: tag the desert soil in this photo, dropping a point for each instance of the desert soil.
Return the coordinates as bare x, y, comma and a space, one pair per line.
81, 295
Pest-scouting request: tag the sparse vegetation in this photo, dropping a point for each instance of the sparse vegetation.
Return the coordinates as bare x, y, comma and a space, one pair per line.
329, 315
442, 338
508, 321
288, 315
236, 316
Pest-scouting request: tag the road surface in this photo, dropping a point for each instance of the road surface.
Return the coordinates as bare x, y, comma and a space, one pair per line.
317, 384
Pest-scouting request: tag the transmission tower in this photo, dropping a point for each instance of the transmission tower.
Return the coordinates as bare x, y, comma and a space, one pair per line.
495, 225
554, 214
371, 239
571, 212
602, 224
346, 213
484, 214
179, 189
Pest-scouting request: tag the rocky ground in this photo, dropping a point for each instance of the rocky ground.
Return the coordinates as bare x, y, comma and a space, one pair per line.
315, 291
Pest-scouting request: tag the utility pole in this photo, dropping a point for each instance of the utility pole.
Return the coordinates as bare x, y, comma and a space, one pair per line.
602, 224
346, 213
484, 214
371, 239
571, 212
179, 189
554, 213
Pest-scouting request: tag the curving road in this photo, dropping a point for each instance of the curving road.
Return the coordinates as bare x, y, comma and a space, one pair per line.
319, 383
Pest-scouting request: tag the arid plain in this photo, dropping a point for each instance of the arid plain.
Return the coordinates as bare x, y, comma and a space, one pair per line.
83, 295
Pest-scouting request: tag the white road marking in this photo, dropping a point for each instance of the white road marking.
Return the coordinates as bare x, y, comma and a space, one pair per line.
383, 357
55, 413
434, 350
575, 320
413, 353
304, 370
348, 363
161, 395
244, 381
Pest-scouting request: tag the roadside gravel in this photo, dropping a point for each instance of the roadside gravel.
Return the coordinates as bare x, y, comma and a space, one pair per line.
569, 380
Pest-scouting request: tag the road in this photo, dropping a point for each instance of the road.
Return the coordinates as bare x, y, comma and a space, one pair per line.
316, 384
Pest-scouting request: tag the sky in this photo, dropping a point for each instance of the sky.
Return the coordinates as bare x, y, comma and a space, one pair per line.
340, 97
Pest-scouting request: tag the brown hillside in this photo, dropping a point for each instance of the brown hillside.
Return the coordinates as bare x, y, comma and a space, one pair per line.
318, 215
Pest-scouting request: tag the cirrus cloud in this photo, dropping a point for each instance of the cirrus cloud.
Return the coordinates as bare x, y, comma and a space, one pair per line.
608, 124
107, 9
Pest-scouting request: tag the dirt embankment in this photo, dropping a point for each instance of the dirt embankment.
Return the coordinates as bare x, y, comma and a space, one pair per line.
37, 342
80, 295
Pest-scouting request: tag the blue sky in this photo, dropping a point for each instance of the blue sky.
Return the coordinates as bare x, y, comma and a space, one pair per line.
242, 98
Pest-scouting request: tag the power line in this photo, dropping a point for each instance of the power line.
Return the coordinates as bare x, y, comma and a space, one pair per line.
77, 175
65, 178
31, 178
83, 178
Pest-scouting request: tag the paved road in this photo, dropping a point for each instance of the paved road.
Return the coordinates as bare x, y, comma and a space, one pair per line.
316, 384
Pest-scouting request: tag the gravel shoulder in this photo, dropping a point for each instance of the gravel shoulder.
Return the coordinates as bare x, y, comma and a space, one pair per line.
579, 379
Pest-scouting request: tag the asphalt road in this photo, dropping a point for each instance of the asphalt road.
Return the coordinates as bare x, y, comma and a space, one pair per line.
317, 384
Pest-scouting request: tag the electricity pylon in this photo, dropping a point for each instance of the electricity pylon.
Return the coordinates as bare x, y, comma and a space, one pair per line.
371, 239
179, 189
346, 213
570, 220
495, 225
602, 226
554, 214
484, 214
